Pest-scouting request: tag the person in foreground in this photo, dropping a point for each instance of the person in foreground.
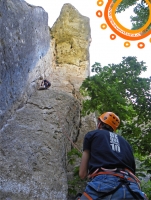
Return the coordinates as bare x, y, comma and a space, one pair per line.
108, 162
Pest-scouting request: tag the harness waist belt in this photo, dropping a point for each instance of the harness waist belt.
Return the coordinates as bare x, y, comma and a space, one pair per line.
121, 173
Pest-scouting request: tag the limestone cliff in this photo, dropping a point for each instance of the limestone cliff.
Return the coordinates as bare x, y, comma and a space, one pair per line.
34, 123
71, 36
24, 53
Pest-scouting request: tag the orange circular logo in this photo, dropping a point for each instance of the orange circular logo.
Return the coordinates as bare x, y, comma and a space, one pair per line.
118, 28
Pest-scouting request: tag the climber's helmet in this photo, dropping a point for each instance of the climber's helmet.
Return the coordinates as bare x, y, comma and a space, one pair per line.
110, 119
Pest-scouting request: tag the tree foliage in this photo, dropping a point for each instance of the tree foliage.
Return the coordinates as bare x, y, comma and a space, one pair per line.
141, 16
125, 4
120, 89
141, 12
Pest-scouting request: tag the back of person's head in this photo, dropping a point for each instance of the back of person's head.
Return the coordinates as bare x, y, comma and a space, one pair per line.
109, 121
106, 127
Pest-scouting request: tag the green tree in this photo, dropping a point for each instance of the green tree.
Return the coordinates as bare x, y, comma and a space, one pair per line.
141, 12
120, 89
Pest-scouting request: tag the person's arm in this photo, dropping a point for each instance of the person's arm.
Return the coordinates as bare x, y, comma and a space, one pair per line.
83, 171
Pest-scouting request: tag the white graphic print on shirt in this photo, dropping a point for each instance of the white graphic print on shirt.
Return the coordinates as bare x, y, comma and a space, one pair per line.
114, 142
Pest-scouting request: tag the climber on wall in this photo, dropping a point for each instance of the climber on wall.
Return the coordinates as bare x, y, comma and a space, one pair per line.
109, 163
45, 84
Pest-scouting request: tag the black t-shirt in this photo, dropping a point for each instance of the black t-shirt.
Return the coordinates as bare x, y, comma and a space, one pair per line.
47, 83
108, 150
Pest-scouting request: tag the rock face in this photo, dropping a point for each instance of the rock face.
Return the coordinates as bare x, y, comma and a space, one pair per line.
24, 44
71, 36
35, 125
34, 146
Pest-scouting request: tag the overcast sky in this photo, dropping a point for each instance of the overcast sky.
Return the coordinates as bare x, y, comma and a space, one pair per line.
102, 49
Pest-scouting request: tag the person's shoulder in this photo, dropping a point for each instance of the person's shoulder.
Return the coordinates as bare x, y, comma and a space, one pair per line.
45, 80
91, 132
123, 139
96, 132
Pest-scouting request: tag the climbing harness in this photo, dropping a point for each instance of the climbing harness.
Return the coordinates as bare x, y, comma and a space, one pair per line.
125, 175
121, 173
83, 196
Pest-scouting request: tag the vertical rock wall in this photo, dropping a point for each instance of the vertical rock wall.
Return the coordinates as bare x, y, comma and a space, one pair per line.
34, 146
24, 44
71, 37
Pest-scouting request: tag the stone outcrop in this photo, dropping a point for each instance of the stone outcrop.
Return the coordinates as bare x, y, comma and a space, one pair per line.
71, 36
24, 44
34, 145
35, 125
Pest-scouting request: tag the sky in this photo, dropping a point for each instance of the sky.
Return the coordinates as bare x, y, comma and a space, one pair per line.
102, 48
